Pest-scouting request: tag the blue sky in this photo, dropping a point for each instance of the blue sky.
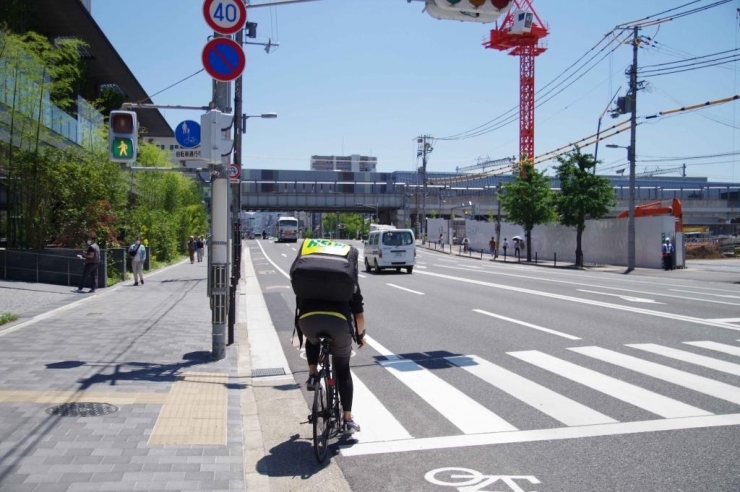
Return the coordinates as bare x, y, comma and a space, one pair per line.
367, 77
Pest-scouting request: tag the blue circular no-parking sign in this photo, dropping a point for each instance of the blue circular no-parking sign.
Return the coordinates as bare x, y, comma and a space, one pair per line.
223, 59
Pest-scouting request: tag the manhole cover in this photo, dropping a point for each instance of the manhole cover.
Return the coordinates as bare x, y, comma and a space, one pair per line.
82, 409
272, 371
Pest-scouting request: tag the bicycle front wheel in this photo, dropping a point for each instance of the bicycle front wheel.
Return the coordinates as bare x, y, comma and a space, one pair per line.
320, 417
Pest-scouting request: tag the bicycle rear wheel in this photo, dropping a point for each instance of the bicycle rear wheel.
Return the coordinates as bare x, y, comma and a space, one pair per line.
320, 417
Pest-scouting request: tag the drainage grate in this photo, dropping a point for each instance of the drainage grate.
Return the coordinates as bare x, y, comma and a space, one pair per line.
270, 371
82, 409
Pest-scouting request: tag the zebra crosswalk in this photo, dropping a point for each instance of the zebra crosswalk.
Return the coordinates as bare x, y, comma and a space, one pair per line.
479, 425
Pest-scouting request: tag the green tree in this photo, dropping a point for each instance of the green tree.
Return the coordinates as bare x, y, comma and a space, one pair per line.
527, 201
583, 195
166, 207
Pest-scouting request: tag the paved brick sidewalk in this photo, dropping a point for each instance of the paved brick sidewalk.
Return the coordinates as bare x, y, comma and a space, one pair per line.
145, 350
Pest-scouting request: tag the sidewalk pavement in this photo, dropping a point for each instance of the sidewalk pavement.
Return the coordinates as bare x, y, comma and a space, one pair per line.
117, 391
725, 270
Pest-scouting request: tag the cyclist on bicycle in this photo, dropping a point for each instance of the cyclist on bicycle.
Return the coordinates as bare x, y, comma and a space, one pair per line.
318, 318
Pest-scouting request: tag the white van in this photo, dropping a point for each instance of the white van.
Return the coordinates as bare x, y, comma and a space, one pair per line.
394, 248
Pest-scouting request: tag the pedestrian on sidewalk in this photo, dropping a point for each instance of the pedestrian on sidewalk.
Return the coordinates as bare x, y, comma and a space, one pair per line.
492, 247
92, 260
199, 245
191, 249
137, 251
505, 246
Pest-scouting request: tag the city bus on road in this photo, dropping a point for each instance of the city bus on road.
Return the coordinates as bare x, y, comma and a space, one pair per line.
287, 230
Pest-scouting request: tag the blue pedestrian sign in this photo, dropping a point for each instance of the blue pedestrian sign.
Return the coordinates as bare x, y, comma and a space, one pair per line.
223, 59
187, 134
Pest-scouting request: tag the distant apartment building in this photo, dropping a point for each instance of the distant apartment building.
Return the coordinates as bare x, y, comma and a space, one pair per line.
354, 163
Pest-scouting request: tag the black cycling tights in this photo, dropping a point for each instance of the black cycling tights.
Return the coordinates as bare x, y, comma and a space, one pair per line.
341, 369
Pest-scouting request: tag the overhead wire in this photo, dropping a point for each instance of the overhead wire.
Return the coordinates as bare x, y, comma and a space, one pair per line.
170, 87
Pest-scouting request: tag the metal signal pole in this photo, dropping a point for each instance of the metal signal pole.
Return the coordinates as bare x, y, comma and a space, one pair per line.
631, 152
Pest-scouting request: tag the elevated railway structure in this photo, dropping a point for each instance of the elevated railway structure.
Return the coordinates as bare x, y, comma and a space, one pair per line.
397, 197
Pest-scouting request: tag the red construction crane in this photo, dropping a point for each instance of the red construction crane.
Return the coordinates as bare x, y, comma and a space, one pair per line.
520, 35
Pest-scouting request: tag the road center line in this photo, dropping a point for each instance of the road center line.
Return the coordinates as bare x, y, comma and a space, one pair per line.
407, 290
529, 325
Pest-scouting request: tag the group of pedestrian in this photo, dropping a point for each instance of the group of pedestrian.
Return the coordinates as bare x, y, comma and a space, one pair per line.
196, 247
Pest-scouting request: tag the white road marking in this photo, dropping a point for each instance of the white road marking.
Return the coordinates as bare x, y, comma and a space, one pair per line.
700, 384
706, 294
361, 275
529, 325
420, 266
582, 284
283, 254
725, 320
407, 290
461, 441
626, 298
691, 358
378, 424
621, 390
719, 347
579, 300
465, 413
545, 400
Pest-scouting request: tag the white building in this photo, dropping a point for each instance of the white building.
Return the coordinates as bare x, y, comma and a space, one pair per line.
354, 163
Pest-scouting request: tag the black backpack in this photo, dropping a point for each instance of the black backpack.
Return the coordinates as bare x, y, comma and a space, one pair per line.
325, 270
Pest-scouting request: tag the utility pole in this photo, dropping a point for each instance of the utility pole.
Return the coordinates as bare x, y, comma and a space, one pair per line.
423, 148
236, 199
219, 257
498, 219
631, 151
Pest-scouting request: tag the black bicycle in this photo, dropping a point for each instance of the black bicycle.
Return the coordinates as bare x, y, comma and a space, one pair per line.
325, 415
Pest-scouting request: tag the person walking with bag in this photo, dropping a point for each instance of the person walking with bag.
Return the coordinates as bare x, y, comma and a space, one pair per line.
191, 249
137, 252
199, 246
92, 260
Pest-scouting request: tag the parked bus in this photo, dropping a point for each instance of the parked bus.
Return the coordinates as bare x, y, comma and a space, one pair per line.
287, 229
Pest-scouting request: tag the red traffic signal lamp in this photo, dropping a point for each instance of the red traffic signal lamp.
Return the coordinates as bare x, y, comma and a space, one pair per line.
123, 136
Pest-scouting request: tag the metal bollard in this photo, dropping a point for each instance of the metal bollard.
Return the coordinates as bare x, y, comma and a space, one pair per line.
556, 259
535, 257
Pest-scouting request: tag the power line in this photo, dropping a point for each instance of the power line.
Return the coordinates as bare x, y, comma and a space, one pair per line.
171, 86
644, 67
692, 66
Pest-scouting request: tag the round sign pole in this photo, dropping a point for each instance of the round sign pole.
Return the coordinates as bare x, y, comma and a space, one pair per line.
225, 16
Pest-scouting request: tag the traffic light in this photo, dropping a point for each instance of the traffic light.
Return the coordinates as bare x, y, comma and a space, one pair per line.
123, 136
214, 140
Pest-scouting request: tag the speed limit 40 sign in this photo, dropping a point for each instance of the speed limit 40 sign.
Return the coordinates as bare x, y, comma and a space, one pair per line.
225, 16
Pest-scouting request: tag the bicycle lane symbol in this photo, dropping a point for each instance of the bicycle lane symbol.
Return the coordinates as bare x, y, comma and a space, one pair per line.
467, 480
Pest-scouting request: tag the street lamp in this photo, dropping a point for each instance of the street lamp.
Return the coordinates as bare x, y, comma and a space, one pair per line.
245, 117
631, 219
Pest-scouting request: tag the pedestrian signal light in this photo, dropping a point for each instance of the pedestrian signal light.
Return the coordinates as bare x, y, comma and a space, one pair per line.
123, 136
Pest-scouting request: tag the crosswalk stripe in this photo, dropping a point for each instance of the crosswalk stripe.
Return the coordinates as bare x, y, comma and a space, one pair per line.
700, 384
540, 435
543, 399
699, 360
719, 347
465, 413
634, 395
378, 424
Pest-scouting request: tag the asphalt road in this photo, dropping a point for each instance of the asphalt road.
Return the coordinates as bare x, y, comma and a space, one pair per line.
535, 379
